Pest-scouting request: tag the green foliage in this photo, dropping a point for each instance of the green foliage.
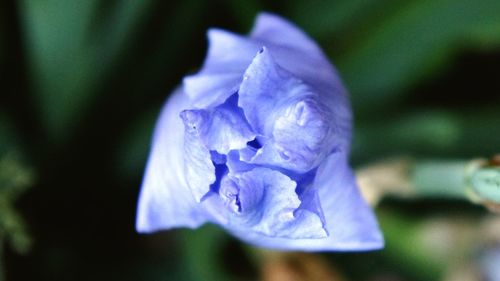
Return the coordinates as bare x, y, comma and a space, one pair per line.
14, 180
244, 11
404, 249
69, 49
412, 43
448, 134
388, 46
201, 252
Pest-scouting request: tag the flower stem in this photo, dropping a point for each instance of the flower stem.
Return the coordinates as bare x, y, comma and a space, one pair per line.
476, 180
445, 179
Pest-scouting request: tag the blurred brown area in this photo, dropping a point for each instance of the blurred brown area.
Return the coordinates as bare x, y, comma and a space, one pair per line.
298, 267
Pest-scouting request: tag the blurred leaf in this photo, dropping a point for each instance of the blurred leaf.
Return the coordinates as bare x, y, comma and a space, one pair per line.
382, 48
133, 151
8, 140
244, 11
404, 247
14, 180
164, 64
68, 55
413, 42
467, 133
326, 19
118, 25
63, 67
202, 249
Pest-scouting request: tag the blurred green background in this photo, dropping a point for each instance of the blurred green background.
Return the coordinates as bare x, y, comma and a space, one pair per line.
82, 82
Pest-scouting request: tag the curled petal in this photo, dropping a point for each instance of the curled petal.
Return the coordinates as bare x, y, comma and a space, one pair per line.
221, 129
198, 166
235, 164
228, 129
230, 54
265, 85
350, 223
296, 52
297, 130
165, 200
268, 204
209, 135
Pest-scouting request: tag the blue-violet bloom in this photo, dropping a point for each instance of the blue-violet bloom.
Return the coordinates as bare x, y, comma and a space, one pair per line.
257, 142
489, 262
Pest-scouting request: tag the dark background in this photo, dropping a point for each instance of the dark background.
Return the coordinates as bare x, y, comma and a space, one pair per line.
82, 82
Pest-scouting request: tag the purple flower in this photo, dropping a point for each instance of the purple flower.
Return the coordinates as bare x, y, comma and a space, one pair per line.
258, 142
489, 264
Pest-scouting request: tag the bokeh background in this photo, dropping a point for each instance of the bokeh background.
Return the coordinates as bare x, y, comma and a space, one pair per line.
82, 82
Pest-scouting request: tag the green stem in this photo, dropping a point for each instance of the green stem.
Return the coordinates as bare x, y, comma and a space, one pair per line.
439, 178
475, 180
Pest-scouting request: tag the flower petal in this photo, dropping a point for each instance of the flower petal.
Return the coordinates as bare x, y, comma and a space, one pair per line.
208, 89
221, 129
165, 200
228, 129
350, 221
209, 135
300, 130
268, 204
228, 52
351, 224
228, 56
489, 261
198, 167
296, 52
276, 30
265, 87
263, 150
